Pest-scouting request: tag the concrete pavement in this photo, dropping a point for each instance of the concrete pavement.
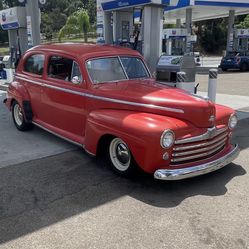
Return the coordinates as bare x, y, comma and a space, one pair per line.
17, 147
73, 201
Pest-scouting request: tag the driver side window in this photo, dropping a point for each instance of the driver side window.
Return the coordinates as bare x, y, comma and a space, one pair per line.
64, 69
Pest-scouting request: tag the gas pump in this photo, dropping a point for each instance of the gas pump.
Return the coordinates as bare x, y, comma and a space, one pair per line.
174, 41
14, 21
122, 26
115, 23
241, 42
6, 70
136, 37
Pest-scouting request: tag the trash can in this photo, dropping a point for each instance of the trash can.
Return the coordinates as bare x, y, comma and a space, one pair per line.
169, 66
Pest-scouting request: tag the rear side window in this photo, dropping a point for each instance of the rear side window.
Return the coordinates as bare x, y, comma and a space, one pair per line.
35, 64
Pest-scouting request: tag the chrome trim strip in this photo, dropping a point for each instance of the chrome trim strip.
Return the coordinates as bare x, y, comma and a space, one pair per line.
30, 81
200, 145
56, 134
90, 153
211, 133
222, 142
135, 103
105, 98
176, 160
183, 173
126, 75
65, 90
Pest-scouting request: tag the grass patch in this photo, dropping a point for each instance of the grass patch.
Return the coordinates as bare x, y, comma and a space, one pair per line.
4, 50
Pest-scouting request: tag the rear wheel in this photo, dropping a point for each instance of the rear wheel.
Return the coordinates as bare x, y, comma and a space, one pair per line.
121, 159
224, 69
244, 67
18, 118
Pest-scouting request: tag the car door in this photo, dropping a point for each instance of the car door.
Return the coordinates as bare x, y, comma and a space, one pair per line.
31, 76
63, 97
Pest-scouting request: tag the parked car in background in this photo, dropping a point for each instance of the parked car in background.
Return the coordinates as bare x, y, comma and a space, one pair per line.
235, 60
104, 99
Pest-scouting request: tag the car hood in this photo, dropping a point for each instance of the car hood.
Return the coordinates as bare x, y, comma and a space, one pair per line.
154, 97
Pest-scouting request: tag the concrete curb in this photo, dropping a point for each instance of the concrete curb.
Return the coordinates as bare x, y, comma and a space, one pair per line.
205, 70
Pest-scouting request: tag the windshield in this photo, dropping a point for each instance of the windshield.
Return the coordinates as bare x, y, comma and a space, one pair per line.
116, 68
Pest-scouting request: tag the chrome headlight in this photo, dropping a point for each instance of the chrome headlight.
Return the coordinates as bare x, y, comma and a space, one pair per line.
167, 139
233, 120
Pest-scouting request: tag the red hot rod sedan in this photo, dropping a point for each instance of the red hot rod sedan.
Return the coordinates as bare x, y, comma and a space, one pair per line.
104, 99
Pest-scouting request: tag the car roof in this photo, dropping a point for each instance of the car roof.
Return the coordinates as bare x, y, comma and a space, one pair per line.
85, 50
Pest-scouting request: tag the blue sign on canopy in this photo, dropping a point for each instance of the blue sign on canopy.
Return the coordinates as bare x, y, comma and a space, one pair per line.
118, 4
13, 25
218, 3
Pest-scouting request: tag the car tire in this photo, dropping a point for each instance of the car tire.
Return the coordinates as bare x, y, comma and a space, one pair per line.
19, 119
224, 69
244, 67
121, 159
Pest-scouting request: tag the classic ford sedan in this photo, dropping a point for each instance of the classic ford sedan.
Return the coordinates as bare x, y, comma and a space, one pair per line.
104, 99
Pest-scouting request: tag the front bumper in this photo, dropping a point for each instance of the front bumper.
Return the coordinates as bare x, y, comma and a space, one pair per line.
179, 174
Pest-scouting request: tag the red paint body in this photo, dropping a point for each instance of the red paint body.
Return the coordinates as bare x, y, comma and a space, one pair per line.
96, 111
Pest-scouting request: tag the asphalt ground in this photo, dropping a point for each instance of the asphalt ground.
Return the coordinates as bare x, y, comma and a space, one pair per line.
54, 195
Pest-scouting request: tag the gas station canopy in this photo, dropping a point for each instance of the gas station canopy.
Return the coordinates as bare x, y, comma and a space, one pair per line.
108, 5
205, 9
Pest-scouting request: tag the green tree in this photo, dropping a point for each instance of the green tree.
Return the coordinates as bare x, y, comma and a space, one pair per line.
49, 26
56, 4
74, 6
84, 22
91, 9
46, 26
76, 23
212, 35
9, 3
244, 24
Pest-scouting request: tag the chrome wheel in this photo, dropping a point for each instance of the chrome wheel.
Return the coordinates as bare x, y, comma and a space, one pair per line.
18, 115
120, 154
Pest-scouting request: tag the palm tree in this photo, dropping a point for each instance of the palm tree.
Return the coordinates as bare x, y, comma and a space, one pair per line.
76, 23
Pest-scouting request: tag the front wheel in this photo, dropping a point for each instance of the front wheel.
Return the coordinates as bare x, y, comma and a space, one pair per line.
18, 118
121, 158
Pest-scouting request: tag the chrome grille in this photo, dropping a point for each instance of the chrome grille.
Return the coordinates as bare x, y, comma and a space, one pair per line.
200, 147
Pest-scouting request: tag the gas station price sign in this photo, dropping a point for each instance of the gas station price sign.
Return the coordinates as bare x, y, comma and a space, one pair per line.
9, 19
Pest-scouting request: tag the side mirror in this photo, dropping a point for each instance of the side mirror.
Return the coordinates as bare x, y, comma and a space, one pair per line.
76, 80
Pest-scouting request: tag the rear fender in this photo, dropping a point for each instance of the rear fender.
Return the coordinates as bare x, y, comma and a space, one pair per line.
18, 92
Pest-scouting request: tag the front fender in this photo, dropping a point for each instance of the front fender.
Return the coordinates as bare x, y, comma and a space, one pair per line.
223, 114
141, 132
